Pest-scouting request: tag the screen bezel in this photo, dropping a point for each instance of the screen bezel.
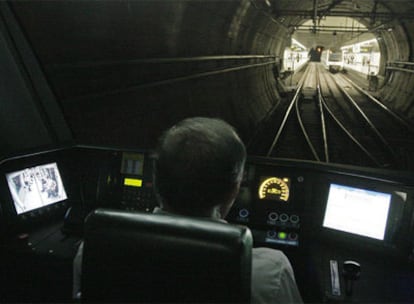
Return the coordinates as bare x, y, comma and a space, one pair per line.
37, 183
341, 222
395, 221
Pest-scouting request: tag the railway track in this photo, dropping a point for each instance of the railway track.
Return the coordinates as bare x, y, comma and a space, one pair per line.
331, 119
395, 133
354, 143
290, 141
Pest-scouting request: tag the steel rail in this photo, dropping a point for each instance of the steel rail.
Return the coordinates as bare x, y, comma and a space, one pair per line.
287, 113
324, 131
330, 27
306, 30
302, 126
304, 132
370, 123
384, 107
343, 13
399, 69
323, 122
402, 62
89, 64
136, 87
345, 130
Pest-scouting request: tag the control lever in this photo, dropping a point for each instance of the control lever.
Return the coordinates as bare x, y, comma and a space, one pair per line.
351, 273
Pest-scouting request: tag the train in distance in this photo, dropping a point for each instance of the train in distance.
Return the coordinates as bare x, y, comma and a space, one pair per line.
333, 60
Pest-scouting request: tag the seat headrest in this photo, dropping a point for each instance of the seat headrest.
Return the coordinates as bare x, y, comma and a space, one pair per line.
141, 257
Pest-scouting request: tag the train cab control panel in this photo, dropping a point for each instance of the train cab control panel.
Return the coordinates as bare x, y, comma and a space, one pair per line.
320, 215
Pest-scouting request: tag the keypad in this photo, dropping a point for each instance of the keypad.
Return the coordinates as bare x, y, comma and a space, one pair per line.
138, 199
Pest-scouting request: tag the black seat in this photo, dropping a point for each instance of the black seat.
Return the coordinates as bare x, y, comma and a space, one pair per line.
134, 257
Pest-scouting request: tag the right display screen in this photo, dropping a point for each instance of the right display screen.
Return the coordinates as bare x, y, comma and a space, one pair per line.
358, 211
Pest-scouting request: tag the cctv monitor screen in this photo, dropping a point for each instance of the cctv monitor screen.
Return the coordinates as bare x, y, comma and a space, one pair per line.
36, 187
357, 211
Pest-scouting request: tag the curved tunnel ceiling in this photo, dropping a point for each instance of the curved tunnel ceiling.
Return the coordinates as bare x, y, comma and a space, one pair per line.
331, 32
123, 71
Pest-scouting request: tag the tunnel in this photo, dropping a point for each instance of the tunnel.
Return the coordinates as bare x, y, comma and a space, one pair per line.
120, 72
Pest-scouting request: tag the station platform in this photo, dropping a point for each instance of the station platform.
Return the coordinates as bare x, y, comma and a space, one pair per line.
363, 74
356, 72
362, 68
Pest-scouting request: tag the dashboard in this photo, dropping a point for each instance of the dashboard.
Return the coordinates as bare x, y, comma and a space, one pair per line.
296, 203
316, 213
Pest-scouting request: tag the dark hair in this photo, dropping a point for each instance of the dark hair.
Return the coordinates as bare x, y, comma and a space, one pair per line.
198, 162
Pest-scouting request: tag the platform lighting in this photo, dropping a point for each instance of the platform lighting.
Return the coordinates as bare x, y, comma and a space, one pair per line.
359, 43
294, 41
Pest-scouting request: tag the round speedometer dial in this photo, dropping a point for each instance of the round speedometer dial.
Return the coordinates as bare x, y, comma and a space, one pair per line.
274, 188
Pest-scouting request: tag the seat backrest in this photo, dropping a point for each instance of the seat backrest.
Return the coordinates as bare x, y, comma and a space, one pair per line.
134, 257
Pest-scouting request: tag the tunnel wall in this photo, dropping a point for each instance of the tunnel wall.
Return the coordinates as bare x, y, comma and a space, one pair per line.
398, 90
124, 71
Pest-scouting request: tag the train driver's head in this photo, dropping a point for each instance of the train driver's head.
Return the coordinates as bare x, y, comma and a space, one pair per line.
198, 167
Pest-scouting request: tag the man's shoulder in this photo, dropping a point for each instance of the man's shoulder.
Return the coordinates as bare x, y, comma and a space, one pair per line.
273, 280
266, 250
269, 255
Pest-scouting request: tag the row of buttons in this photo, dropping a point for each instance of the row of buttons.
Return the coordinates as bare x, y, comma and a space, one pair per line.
138, 199
42, 211
131, 194
284, 218
282, 237
274, 217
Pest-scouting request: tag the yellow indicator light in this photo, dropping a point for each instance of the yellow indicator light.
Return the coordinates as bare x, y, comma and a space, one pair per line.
133, 182
282, 235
